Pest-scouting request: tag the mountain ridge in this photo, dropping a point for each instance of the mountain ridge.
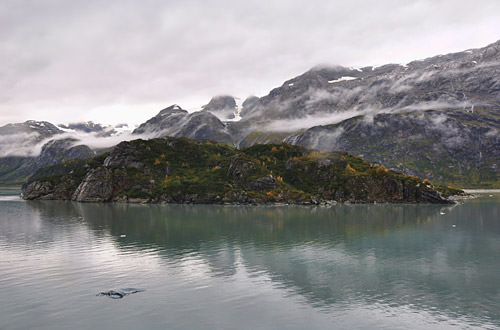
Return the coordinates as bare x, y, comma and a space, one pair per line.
438, 118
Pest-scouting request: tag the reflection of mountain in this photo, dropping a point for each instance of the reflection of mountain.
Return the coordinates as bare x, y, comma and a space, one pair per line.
403, 255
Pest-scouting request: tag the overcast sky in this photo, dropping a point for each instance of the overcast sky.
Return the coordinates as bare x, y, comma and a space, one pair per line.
123, 61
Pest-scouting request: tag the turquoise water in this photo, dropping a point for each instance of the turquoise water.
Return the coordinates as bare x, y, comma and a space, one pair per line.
236, 267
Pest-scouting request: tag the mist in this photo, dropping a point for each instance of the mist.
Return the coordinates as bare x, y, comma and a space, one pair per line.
115, 61
29, 145
20, 145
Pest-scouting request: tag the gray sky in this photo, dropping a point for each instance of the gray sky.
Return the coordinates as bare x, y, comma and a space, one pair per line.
123, 61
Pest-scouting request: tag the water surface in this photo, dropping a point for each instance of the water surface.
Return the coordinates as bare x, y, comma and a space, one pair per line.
214, 267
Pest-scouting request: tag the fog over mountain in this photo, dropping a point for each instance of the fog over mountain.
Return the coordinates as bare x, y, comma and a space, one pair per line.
81, 76
438, 118
122, 61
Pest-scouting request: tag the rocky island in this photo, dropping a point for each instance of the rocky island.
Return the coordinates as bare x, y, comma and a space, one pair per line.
183, 170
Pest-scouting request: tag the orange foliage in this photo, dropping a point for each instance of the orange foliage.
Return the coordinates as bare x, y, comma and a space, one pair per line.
349, 169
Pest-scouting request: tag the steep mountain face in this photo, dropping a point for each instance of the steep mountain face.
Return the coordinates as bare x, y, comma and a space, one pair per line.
15, 170
90, 127
454, 81
31, 145
223, 107
53, 152
39, 129
176, 122
18, 142
438, 118
458, 148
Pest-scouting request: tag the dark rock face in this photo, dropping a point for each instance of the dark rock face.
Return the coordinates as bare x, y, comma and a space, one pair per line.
96, 187
428, 144
205, 126
223, 106
264, 183
54, 151
249, 104
38, 190
166, 122
241, 167
124, 155
41, 129
46, 190
119, 293
176, 122
90, 127
28, 136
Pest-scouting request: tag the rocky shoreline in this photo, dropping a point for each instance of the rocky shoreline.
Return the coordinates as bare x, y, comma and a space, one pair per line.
186, 171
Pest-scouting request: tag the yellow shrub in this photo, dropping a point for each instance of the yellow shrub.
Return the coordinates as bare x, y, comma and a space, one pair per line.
349, 169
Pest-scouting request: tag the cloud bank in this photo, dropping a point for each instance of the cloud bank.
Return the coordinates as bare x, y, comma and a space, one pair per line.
113, 61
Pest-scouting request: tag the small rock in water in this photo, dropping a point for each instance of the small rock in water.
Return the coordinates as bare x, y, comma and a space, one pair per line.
119, 293
123, 235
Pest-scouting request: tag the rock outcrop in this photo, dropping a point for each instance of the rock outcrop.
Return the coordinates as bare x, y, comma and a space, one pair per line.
180, 170
222, 106
176, 122
97, 186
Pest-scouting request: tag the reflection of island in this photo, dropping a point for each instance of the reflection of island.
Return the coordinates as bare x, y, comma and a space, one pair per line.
178, 226
35, 223
341, 255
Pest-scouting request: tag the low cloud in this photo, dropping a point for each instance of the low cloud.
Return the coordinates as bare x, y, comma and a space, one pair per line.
114, 60
29, 145
21, 144
290, 125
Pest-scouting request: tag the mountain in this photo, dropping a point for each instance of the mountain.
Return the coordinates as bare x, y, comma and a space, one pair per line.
223, 107
176, 122
437, 118
39, 130
90, 127
26, 147
454, 81
181, 170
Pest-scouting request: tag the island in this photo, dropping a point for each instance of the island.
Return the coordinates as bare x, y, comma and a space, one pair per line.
190, 171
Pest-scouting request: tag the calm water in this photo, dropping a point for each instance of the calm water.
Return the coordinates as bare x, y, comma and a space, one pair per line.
213, 267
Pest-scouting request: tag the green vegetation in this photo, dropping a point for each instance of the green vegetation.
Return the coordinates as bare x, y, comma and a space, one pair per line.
185, 170
416, 146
